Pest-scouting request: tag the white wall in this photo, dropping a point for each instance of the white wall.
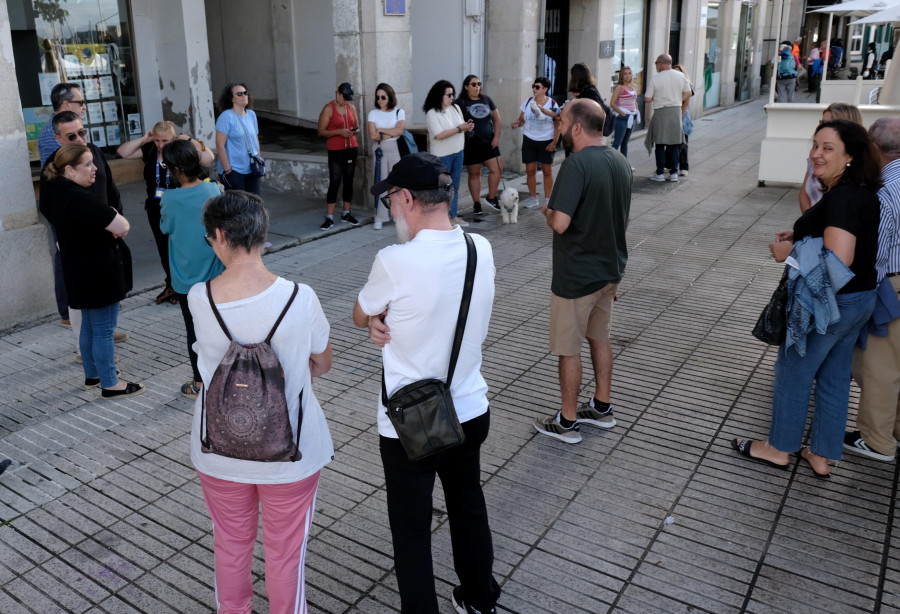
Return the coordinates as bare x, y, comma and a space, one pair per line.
316, 71
437, 48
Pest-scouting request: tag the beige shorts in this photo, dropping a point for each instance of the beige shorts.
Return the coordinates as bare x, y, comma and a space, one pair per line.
571, 320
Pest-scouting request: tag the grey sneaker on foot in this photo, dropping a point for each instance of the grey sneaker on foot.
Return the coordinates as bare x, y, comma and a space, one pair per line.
530, 202
588, 415
657, 177
550, 427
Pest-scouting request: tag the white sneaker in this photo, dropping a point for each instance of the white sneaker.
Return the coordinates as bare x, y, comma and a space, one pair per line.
659, 177
633, 169
531, 202
683, 173
672, 177
458, 221
377, 226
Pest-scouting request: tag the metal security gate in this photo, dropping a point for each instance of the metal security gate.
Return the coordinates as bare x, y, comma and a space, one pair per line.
556, 47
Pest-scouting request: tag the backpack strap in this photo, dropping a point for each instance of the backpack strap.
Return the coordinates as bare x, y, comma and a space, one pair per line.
216, 311
283, 312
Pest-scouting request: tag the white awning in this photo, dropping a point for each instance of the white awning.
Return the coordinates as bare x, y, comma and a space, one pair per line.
890, 15
857, 8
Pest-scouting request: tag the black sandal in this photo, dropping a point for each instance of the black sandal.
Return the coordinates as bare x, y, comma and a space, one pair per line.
167, 294
130, 390
743, 448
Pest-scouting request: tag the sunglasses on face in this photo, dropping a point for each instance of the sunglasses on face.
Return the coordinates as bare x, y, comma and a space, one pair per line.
380, 97
475, 84
74, 136
80, 103
206, 238
537, 86
450, 95
241, 94
386, 199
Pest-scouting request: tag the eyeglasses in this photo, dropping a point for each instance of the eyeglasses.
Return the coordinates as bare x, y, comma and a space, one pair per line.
380, 97
80, 103
74, 136
474, 84
242, 94
536, 86
206, 238
386, 199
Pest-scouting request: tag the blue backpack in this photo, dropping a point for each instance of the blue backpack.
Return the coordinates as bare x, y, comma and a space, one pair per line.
406, 144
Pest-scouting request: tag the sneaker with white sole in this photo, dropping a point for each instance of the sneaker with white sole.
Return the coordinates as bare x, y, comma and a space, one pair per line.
853, 441
377, 225
328, 223
587, 414
683, 173
493, 203
531, 202
551, 427
459, 604
673, 177
658, 177
349, 219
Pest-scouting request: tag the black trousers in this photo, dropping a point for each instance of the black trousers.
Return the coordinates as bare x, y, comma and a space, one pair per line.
59, 284
341, 168
191, 335
409, 500
154, 213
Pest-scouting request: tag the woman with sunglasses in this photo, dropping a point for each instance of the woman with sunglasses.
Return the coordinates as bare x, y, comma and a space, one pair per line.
158, 179
386, 124
339, 123
482, 144
190, 256
237, 137
96, 263
446, 131
538, 115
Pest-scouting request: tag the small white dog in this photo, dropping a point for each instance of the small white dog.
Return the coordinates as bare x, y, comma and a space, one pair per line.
509, 206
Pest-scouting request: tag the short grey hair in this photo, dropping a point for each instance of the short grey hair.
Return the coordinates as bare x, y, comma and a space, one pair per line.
242, 216
885, 133
441, 195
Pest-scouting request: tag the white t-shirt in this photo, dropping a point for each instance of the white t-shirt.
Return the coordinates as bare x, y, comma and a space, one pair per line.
437, 122
538, 126
420, 283
303, 331
666, 88
385, 120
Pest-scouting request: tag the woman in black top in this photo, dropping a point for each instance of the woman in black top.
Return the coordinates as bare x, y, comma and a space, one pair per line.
582, 85
846, 218
96, 264
482, 144
157, 178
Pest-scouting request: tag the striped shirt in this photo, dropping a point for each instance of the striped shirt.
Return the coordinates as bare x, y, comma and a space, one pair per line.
888, 259
47, 142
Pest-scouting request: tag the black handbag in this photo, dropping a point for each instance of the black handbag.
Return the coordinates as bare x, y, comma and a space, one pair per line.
771, 327
422, 412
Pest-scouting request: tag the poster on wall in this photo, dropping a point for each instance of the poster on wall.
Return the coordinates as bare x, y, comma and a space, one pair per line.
72, 66
35, 118
47, 80
112, 134
91, 89
134, 124
98, 136
95, 113
106, 87
110, 112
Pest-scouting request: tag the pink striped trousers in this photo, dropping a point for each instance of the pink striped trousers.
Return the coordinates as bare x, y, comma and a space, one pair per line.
287, 511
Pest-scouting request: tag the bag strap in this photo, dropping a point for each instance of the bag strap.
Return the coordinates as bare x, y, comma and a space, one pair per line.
246, 138
283, 312
215, 311
468, 285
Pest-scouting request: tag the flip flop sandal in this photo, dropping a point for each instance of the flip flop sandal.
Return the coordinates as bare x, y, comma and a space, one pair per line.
743, 448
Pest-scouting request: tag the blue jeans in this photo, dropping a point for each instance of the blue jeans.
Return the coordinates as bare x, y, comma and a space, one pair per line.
454, 164
828, 359
98, 351
622, 135
667, 158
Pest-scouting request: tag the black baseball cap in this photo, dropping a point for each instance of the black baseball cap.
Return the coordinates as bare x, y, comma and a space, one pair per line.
418, 171
345, 90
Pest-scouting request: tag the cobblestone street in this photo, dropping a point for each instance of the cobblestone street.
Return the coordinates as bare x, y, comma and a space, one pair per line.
102, 512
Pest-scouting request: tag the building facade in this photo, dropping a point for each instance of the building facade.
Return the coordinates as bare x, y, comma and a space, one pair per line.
141, 62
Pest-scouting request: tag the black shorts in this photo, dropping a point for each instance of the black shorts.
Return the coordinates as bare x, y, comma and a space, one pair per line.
479, 153
536, 151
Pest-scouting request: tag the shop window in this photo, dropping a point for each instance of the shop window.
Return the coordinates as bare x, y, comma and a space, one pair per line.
86, 43
712, 57
629, 31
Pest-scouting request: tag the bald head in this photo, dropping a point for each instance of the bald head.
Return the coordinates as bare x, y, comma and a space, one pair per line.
885, 133
664, 62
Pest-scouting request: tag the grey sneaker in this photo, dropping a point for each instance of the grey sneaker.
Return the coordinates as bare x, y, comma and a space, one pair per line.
853, 441
657, 177
588, 415
550, 427
531, 202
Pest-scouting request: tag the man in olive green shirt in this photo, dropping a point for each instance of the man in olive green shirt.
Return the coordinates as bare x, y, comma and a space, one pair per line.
588, 212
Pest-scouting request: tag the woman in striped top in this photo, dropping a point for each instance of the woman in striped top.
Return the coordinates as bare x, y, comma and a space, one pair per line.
623, 102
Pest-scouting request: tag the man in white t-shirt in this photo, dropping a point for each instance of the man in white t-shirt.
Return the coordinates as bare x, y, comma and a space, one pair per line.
410, 305
669, 92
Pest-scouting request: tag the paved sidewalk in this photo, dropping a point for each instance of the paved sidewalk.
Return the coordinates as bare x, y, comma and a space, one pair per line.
101, 511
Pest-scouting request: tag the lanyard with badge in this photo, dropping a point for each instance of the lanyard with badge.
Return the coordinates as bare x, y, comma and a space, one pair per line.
159, 189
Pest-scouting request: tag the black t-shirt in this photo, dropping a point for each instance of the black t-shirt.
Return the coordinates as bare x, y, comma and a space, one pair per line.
478, 111
149, 154
591, 93
96, 266
857, 210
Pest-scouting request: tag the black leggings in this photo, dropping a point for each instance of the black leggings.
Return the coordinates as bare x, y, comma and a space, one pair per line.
341, 166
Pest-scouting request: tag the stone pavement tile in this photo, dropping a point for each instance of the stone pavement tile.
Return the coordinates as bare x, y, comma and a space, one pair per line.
114, 605
96, 571
145, 600
19, 550
125, 556
10, 605
683, 581
641, 600
26, 593
174, 597
533, 595
782, 589
66, 584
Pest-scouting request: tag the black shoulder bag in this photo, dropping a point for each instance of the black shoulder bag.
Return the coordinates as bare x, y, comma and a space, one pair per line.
422, 412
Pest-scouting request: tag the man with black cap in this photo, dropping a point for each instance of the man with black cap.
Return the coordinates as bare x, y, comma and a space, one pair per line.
410, 305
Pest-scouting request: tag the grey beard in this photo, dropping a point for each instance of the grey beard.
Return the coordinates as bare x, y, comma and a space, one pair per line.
402, 229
